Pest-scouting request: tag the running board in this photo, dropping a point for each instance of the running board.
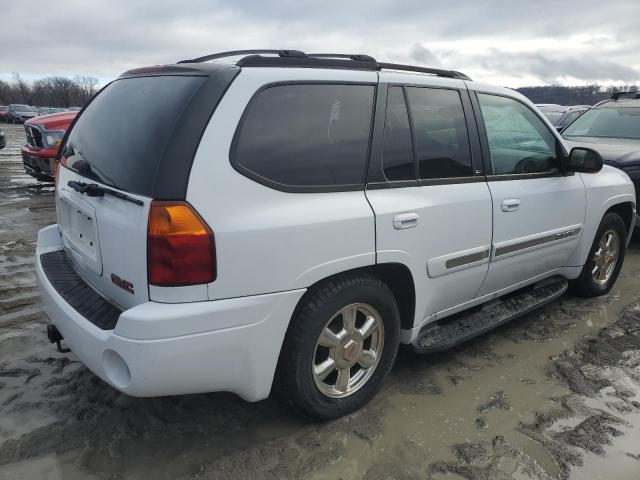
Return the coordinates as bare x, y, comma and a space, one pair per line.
454, 330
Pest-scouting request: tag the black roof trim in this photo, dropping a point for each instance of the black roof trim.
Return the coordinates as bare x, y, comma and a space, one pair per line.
432, 71
296, 58
235, 53
306, 62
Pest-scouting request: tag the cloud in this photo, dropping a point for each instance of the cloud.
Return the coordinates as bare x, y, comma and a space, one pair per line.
507, 42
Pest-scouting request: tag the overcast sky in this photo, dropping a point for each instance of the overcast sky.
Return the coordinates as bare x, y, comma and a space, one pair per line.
510, 43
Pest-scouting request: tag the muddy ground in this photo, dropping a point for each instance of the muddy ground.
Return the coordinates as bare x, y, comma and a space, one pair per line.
555, 394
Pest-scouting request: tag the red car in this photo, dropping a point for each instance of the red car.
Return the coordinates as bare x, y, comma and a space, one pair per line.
44, 135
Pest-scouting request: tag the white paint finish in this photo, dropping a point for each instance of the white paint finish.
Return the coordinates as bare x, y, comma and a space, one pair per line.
121, 229
155, 321
604, 189
546, 205
239, 359
268, 240
454, 220
189, 293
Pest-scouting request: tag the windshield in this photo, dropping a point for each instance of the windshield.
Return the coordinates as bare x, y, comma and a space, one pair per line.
125, 130
623, 122
23, 108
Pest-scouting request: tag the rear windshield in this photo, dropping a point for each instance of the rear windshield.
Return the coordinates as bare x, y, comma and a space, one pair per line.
124, 132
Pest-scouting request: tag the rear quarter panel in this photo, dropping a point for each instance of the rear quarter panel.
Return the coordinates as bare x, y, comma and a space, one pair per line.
268, 240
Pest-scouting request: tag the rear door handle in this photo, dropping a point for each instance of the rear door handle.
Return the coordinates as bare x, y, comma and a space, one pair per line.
402, 221
510, 205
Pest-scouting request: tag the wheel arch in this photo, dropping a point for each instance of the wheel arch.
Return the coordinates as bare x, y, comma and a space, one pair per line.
623, 204
626, 210
396, 276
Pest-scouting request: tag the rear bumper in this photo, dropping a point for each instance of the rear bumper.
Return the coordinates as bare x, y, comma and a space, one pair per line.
169, 349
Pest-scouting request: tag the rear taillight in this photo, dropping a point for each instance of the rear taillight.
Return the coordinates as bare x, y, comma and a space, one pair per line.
180, 246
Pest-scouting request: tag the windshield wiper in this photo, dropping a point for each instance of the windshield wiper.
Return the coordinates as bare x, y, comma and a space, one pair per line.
95, 190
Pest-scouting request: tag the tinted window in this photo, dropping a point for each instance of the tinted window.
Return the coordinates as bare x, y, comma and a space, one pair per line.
124, 131
442, 141
607, 122
307, 135
397, 154
519, 142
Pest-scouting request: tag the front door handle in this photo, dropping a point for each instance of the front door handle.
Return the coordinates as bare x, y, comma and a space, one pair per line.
510, 205
402, 221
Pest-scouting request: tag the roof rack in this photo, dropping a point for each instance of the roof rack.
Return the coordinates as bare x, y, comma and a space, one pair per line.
617, 95
296, 58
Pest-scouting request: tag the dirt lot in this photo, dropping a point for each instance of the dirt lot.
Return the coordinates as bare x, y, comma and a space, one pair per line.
553, 395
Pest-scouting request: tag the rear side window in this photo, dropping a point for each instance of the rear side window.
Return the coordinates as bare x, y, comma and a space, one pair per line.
397, 154
125, 130
311, 135
441, 138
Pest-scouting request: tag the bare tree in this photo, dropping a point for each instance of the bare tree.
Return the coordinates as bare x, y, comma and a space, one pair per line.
62, 90
87, 86
23, 87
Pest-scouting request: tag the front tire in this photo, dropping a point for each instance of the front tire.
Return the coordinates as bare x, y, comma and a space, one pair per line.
605, 259
340, 346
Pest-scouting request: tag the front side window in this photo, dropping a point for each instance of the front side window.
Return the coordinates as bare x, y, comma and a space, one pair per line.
310, 135
519, 142
441, 138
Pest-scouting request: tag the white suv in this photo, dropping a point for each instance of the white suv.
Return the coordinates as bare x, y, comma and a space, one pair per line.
290, 219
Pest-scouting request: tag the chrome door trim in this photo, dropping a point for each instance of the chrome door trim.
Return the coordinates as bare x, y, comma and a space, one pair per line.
546, 238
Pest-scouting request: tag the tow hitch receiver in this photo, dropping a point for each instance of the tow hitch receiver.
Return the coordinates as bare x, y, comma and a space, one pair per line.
56, 337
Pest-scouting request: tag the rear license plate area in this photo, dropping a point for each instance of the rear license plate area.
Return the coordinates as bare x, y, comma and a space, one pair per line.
78, 224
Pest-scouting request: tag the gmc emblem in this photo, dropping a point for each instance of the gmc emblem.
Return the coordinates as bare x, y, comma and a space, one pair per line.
123, 284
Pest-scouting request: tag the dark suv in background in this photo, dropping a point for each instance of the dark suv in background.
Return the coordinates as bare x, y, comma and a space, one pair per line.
612, 127
19, 113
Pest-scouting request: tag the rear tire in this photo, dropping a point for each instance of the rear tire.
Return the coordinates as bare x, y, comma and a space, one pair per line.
599, 273
340, 346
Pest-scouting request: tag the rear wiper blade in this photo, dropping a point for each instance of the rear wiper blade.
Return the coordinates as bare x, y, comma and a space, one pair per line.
95, 190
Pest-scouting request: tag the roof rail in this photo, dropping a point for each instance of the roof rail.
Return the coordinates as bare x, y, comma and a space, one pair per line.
617, 95
296, 58
432, 71
236, 53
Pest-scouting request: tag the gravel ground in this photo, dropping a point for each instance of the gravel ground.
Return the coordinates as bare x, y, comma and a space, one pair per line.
555, 394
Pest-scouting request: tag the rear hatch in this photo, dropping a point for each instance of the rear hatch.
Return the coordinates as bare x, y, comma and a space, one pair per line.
119, 155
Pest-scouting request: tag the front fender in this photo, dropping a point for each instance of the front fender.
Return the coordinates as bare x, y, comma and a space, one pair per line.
604, 190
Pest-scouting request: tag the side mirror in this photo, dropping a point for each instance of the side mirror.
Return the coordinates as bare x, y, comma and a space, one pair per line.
584, 160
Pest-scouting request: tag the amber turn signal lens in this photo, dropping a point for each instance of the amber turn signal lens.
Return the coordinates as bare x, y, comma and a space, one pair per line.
180, 246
